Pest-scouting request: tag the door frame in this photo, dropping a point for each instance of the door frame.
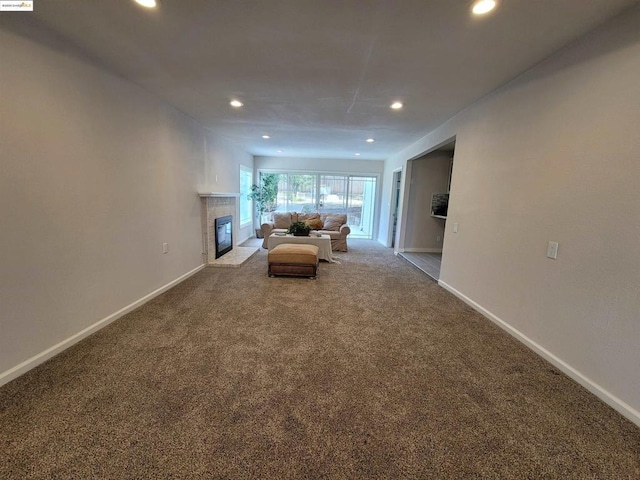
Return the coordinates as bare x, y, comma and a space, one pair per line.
396, 182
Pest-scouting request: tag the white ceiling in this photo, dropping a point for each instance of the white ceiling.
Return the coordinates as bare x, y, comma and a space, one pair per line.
318, 75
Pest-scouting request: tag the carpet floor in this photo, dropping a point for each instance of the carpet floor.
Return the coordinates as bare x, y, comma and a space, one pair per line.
370, 371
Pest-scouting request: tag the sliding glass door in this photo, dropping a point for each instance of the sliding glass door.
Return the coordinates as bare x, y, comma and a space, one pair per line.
353, 195
360, 205
297, 193
333, 194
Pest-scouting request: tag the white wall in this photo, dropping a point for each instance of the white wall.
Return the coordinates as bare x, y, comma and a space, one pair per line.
96, 174
429, 175
554, 155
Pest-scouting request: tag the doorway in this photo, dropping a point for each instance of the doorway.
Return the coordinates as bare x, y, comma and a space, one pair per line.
427, 201
395, 202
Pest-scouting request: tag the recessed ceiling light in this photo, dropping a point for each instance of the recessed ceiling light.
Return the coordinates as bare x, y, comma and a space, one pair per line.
357, 154
396, 105
279, 151
483, 6
147, 3
266, 137
236, 103
370, 140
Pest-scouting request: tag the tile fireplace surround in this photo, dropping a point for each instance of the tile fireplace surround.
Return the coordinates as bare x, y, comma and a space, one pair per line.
215, 205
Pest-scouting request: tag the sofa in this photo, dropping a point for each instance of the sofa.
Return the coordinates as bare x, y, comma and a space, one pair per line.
334, 225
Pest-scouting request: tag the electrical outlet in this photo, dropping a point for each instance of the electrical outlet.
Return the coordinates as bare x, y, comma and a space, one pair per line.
438, 238
165, 248
552, 250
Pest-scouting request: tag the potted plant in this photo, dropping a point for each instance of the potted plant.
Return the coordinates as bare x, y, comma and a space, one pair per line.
265, 197
299, 229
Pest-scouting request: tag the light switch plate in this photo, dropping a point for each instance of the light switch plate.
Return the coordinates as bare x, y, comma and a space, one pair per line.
552, 250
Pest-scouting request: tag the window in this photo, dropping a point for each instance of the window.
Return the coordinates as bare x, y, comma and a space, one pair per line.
297, 193
246, 204
354, 195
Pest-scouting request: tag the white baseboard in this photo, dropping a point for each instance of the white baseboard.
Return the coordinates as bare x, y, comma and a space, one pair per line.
383, 242
422, 250
623, 408
41, 357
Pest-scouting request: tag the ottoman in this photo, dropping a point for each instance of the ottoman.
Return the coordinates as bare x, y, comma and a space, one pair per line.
293, 259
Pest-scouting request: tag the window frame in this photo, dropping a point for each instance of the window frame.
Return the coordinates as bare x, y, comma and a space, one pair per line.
244, 221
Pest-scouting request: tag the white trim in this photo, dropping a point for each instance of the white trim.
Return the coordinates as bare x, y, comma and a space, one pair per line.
422, 250
321, 172
41, 357
250, 221
392, 201
623, 408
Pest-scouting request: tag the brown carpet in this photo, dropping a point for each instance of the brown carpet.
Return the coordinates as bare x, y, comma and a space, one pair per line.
370, 371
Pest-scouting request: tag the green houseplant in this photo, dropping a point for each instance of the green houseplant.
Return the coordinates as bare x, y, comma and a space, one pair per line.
299, 229
265, 196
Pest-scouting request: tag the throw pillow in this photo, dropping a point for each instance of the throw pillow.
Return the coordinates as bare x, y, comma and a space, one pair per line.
334, 222
314, 223
281, 220
303, 217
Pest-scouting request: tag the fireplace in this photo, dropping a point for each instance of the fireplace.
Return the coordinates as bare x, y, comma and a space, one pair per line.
224, 235
218, 209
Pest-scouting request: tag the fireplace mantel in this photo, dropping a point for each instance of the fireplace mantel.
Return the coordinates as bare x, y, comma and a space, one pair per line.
218, 195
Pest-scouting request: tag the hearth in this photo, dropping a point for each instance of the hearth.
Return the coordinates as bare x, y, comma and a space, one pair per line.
224, 235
